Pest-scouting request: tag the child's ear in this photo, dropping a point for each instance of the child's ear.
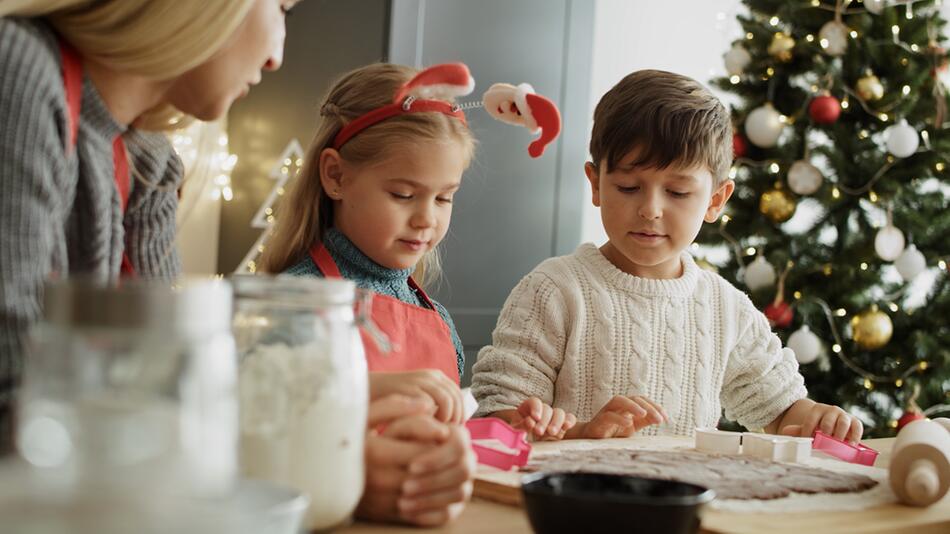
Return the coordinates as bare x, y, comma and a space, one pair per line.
593, 176
718, 200
331, 173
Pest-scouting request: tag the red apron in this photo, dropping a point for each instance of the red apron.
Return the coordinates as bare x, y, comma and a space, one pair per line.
419, 337
72, 83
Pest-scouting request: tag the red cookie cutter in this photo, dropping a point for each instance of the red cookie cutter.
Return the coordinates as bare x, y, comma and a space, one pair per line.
498, 445
856, 454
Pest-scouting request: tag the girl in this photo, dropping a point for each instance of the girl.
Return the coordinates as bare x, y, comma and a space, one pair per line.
371, 204
82, 85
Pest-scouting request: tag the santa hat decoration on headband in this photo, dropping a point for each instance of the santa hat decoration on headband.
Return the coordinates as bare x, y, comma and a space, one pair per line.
444, 82
432, 90
522, 107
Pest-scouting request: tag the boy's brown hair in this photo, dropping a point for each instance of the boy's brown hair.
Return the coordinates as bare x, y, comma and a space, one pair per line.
671, 119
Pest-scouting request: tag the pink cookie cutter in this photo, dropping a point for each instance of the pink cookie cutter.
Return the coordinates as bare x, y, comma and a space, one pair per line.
856, 454
498, 445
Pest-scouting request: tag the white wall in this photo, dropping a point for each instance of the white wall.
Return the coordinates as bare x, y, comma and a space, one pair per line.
683, 36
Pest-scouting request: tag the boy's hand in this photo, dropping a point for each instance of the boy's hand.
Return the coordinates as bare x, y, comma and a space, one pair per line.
442, 482
623, 416
541, 420
424, 383
806, 416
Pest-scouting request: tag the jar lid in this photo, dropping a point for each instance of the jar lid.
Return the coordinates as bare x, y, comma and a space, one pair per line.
190, 306
295, 291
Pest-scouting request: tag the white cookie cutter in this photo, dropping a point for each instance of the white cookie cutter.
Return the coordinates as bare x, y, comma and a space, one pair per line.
776, 448
765, 446
718, 441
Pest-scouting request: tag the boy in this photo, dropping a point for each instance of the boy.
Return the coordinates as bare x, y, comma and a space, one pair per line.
634, 334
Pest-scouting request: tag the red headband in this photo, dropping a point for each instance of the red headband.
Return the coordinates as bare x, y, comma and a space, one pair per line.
416, 96
409, 105
514, 105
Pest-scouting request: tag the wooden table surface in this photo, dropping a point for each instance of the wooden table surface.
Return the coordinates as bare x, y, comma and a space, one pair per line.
481, 516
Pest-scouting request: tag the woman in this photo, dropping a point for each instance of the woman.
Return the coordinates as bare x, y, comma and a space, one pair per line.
87, 183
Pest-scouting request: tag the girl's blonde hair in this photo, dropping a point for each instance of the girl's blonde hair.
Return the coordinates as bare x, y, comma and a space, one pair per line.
306, 212
159, 39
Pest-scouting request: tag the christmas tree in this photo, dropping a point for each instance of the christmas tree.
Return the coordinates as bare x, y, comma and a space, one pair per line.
285, 168
840, 224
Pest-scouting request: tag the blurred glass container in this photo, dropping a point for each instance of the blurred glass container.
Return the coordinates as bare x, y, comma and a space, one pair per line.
303, 390
133, 389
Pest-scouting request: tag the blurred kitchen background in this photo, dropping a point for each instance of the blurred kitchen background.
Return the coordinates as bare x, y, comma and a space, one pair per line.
513, 211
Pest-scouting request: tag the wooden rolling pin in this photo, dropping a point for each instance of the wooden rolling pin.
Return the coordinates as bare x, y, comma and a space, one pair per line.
920, 462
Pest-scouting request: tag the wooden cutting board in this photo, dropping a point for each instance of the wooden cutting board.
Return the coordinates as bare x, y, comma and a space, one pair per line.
505, 487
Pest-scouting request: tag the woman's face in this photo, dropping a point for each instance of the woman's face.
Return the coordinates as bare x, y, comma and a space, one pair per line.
208, 90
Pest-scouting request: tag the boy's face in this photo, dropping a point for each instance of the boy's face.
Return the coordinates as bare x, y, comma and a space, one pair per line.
651, 215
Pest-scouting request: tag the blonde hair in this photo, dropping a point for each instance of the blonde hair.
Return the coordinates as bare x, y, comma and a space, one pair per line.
306, 212
158, 39
670, 118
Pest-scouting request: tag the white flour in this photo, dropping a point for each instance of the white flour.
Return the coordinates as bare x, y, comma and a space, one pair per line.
879, 495
303, 421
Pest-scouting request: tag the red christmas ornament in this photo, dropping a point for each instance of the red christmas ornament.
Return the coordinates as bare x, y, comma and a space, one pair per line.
909, 417
824, 109
739, 146
912, 411
780, 314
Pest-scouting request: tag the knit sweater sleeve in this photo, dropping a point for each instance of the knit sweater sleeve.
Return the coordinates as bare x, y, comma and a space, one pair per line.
761, 379
34, 183
150, 216
527, 347
456, 341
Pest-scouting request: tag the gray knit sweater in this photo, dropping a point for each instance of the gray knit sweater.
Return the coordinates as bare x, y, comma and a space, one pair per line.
60, 211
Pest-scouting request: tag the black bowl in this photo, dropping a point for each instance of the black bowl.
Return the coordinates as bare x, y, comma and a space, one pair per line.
592, 503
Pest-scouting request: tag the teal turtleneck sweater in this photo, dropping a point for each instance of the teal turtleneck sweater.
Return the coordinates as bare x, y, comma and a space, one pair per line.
365, 273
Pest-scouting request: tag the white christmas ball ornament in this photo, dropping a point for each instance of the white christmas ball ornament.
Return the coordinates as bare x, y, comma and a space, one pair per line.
902, 139
805, 344
804, 178
759, 274
889, 243
736, 60
910, 263
833, 38
875, 6
764, 126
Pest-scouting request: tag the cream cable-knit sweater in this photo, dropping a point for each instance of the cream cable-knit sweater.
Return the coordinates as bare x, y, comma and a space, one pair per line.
576, 331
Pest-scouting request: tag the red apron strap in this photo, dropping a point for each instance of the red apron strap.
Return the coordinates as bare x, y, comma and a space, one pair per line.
425, 298
123, 182
321, 256
72, 83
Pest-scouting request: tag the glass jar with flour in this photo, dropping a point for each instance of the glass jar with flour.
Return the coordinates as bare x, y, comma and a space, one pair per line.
302, 389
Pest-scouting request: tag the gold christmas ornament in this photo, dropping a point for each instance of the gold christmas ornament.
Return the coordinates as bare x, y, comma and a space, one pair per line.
778, 205
871, 329
781, 46
869, 87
